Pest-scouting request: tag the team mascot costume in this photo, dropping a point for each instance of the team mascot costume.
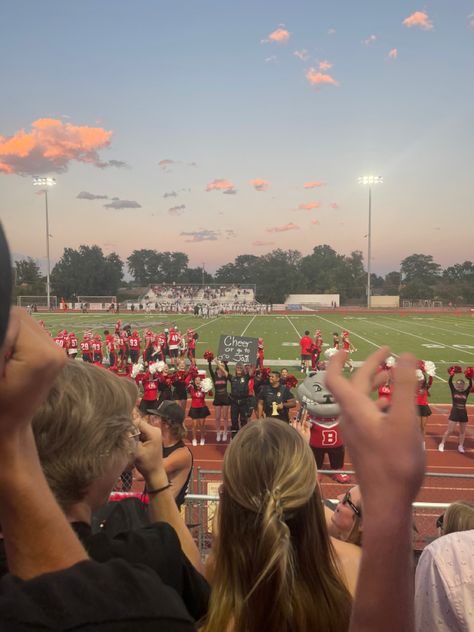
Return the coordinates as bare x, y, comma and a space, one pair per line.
323, 414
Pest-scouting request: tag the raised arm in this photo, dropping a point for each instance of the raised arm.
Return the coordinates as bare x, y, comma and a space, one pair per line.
387, 453
162, 506
38, 538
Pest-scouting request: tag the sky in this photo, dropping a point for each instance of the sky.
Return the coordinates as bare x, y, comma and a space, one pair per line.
221, 128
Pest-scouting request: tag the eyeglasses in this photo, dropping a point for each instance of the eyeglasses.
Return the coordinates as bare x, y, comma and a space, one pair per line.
440, 521
347, 501
134, 435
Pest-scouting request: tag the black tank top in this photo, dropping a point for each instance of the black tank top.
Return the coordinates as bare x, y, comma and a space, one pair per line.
166, 452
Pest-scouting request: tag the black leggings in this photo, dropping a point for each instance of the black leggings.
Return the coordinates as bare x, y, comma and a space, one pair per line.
239, 410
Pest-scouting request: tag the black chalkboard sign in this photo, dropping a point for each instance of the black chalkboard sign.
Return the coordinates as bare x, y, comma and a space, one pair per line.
238, 349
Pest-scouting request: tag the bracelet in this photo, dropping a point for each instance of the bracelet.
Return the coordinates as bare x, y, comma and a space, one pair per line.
158, 491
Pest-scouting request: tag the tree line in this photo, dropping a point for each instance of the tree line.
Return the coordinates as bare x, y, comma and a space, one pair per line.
87, 271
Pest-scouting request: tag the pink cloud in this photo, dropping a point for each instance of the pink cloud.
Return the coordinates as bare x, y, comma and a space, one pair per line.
393, 53
315, 222
309, 206
316, 78
279, 35
301, 54
284, 228
259, 184
334, 205
50, 146
226, 186
419, 19
370, 40
313, 184
164, 164
324, 65
259, 242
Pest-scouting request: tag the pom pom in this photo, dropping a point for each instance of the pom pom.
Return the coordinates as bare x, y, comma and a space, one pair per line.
156, 367
330, 352
291, 381
389, 362
469, 372
265, 372
430, 368
419, 375
208, 355
136, 369
206, 385
454, 369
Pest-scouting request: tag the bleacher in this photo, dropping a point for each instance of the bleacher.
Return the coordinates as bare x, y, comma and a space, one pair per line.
221, 295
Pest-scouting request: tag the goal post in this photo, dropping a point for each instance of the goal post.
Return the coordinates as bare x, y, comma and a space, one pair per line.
96, 303
41, 302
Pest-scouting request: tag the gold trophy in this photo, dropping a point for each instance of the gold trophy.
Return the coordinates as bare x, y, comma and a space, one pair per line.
274, 409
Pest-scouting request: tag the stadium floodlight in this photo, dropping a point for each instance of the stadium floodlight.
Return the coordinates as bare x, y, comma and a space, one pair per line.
46, 182
369, 181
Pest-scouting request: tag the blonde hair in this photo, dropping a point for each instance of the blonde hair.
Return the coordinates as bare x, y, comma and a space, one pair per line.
459, 516
274, 563
84, 422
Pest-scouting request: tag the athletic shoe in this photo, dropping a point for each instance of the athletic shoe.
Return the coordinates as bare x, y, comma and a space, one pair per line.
342, 478
195, 442
218, 436
441, 447
224, 436
461, 449
202, 442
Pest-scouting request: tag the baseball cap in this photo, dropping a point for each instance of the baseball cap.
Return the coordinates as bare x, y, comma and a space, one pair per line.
170, 411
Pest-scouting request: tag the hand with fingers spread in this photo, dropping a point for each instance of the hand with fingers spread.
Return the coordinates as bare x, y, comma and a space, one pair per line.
385, 447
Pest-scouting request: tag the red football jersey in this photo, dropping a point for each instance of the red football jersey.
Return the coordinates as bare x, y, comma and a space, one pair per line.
327, 435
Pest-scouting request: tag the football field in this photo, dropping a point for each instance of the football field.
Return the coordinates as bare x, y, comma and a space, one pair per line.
445, 339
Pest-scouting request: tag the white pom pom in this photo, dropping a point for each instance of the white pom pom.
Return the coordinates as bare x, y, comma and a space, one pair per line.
206, 385
390, 361
330, 352
430, 368
156, 367
419, 374
136, 369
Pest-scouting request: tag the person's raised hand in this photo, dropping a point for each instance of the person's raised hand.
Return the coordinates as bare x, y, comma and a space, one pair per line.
385, 447
302, 426
149, 456
32, 363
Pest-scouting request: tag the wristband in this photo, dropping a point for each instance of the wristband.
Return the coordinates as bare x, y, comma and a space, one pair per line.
159, 490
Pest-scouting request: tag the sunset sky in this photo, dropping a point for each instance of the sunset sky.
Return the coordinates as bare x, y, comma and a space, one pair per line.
227, 127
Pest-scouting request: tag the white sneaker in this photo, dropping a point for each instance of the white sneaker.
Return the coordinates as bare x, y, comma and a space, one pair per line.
461, 449
218, 436
224, 436
195, 442
441, 447
202, 442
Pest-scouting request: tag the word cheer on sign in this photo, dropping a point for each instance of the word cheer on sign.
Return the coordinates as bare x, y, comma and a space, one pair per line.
238, 349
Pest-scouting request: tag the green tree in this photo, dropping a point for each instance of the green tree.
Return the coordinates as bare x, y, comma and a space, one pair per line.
391, 283
29, 279
86, 271
420, 269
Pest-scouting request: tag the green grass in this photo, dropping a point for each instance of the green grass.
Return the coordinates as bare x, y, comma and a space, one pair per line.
445, 339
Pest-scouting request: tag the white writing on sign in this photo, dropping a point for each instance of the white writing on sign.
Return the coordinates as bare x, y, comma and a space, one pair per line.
233, 341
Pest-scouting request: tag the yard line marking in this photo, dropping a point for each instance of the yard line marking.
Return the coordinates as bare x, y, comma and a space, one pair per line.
408, 333
251, 321
450, 331
291, 323
208, 323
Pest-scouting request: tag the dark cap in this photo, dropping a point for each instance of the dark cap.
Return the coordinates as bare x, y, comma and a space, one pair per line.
170, 411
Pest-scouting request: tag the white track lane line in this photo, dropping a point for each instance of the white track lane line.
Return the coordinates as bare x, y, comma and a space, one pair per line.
291, 323
251, 321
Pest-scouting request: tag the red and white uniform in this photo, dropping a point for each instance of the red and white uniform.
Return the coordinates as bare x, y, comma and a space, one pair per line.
86, 349
385, 392
72, 344
305, 345
60, 341
260, 353
198, 397
174, 340
325, 434
150, 387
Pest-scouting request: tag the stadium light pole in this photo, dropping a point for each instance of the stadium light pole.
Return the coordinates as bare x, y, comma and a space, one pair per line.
370, 181
45, 183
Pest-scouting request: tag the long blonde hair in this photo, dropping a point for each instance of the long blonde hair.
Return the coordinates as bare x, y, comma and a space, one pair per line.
459, 516
274, 562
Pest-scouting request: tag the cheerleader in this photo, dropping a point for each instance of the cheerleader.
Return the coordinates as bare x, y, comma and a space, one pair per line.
422, 394
164, 382
260, 354
198, 411
221, 398
458, 413
180, 391
335, 340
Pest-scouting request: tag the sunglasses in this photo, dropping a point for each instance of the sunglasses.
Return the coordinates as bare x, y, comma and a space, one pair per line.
347, 501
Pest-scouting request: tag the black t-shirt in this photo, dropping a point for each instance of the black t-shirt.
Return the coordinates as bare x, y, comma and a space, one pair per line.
279, 395
92, 597
156, 546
